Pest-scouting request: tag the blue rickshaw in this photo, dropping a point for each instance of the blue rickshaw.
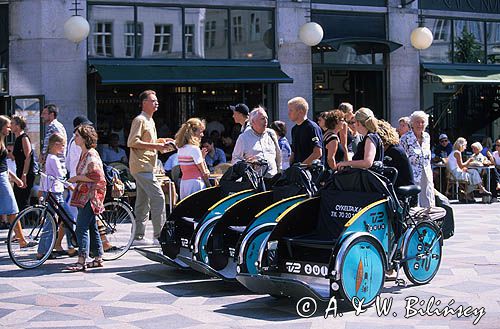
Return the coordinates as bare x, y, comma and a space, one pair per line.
214, 242
341, 243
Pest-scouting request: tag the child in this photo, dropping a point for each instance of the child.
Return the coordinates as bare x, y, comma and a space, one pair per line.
56, 172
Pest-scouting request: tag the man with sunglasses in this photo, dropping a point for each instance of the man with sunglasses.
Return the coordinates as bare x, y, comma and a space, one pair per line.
443, 149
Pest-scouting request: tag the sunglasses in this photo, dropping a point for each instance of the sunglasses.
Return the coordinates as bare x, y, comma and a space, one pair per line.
443, 140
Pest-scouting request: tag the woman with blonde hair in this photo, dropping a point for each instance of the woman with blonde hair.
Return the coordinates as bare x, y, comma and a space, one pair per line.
458, 169
370, 149
8, 204
417, 145
394, 154
191, 160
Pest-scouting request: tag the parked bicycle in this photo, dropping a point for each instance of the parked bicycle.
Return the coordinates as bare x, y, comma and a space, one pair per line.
40, 225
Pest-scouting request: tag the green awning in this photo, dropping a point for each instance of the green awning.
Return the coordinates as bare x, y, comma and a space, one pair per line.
362, 46
146, 73
464, 74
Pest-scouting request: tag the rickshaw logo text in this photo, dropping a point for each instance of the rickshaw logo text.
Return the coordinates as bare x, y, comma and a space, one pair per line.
307, 307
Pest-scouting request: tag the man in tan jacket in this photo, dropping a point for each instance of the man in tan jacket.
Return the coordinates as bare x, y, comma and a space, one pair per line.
144, 146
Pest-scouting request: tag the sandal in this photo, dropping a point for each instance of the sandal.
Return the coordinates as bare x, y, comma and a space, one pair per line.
77, 267
72, 254
95, 263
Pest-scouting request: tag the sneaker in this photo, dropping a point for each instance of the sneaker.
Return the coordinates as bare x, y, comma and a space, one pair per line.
142, 242
156, 242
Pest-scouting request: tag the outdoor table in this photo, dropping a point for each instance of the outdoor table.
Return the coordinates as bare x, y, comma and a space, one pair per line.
168, 187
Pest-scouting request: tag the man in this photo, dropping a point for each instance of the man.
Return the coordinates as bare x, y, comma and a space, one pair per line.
142, 141
404, 125
214, 155
258, 143
49, 118
240, 115
443, 149
113, 152
307, 138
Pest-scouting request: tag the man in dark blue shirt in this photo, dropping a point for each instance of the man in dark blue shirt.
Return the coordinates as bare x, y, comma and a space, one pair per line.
307, 138
443, 149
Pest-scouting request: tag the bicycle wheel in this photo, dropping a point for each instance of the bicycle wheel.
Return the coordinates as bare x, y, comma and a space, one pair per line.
362, 271
423, 253
118, 225
39, 230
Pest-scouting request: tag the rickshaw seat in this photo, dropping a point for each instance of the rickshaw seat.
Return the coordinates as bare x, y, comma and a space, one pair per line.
408, 190
189, 219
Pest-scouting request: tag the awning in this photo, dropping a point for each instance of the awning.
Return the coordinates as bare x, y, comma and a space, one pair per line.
465, 74
153, 73
362, 46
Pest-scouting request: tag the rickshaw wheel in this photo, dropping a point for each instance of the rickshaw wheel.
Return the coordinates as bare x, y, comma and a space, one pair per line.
362, 271
421, 239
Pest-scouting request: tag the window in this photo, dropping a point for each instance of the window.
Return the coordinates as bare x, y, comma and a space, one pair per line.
237, 29
254, 27
469, 42
103, 39
442, 30
130, 38
210, 34
493, 37
162, 37
189, 38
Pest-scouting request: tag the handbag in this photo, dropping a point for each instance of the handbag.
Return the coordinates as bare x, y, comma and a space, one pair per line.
117, 188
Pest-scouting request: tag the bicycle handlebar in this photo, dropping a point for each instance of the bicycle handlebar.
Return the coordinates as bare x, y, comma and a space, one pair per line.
53, 179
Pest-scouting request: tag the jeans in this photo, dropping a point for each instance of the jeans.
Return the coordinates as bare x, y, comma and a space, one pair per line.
46, 235
86, 225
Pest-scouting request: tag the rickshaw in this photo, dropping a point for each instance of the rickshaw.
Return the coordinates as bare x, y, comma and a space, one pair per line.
213, 244
341, 243
240, 181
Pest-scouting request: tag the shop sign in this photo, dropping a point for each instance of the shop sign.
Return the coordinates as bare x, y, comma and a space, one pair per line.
477, 6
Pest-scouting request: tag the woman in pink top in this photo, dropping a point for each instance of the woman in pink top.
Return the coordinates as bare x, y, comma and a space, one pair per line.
191, 160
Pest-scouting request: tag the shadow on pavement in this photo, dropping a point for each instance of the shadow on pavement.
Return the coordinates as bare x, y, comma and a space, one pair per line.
207, 287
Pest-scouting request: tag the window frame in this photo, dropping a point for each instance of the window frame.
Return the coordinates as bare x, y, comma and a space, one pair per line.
98, 35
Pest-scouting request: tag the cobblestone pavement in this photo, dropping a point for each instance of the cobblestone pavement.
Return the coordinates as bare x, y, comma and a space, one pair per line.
134, 292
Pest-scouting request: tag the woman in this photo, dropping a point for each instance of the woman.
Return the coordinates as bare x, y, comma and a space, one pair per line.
394, 154
370, 149
23, 155
191, 160
417, 145
332, 148
88, 197
8, 205
280, 128
458, 169
321, 120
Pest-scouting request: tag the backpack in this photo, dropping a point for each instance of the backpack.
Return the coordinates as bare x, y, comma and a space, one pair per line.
113, 181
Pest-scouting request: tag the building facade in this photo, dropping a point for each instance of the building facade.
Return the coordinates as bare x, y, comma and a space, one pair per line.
201, 56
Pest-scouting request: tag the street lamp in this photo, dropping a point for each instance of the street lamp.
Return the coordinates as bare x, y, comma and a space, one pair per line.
311, 33
76, 28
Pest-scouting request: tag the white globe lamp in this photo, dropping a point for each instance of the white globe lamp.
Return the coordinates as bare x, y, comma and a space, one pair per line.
421, 38
76, 29
311, 33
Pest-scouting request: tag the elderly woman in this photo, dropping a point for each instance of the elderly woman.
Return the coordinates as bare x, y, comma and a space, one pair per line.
459, 170
370, 149
88, 198
417, 145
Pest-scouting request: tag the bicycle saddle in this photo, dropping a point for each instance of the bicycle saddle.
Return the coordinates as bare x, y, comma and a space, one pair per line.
409, 190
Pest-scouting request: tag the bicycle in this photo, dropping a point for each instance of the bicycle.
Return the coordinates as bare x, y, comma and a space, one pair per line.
40, 222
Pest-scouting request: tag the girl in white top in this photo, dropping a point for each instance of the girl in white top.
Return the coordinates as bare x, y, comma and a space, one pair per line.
191, 159
459, 170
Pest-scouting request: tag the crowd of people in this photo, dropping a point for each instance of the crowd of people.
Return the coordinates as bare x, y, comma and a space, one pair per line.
341, 138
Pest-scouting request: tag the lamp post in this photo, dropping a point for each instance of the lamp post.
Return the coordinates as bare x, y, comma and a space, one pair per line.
76, 28
311, 33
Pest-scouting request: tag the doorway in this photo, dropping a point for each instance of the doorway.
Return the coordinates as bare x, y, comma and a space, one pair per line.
358, 87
